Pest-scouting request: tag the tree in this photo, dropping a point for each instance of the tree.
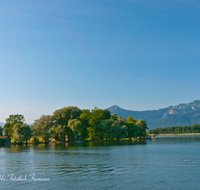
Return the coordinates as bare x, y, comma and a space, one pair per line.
1, 130
114, 116
27, 132
54, 133
143, 127
84, 118
97, 116
106, 130
60, 131
10, 122
60, 121
42, 126
17, 135
119, 128
130, 120
7, 129
76, 127
133, 129
15, 119
22, 132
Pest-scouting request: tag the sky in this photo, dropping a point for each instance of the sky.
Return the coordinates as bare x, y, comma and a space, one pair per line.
137, 54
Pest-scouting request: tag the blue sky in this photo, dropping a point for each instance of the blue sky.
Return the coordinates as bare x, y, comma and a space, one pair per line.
137, 54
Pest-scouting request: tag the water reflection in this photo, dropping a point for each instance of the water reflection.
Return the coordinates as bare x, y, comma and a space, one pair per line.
159, 163
177, 139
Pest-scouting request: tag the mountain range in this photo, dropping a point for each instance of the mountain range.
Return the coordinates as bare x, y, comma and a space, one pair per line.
2, 124
179, 115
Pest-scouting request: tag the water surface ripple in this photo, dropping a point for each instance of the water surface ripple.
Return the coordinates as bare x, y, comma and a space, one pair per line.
160, 163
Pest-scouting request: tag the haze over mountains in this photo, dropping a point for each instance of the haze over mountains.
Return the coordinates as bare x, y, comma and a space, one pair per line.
179, 115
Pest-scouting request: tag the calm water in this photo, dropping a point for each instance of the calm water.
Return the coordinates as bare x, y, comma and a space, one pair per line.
161, 163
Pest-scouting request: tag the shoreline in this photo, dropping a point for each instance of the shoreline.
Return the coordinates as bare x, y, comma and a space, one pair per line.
175, 134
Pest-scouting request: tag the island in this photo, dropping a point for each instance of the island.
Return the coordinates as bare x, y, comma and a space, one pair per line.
73, 124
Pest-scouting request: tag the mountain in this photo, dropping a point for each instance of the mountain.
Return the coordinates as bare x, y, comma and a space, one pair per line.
179, 115
2, 124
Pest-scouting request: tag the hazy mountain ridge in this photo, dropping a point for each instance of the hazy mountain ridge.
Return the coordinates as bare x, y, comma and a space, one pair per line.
178, 115
2, 124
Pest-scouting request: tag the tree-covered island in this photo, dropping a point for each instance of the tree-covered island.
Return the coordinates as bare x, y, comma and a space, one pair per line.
73, 124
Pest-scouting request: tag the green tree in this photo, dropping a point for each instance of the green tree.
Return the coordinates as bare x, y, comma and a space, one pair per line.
114, 116
97, 116
53, 133
27, 132
60, 131
60, 121
143, 127
10, 122
106, 130
1, 130
130, 120
85, 118
76, 127
15, 119
22, 132
17, 135
119, 128
42, 126
132, 129
7, 129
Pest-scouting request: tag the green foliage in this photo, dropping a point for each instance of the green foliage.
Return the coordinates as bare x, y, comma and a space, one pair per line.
106, 129
10, 122
60, 131
84, 118
60, 120
97, 116
133, 129
176, 130
114, 116
15, 119
7, 129
119, 128
42, 126
76, 127
1, 130
76, 124
22, 132
142, 128
130, 120
54, 134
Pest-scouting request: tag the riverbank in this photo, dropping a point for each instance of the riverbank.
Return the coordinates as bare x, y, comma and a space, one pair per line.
60, 142
174, 134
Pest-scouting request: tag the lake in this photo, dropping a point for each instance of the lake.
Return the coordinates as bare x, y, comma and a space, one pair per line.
159, 163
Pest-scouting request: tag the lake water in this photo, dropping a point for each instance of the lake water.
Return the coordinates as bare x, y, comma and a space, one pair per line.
160, 163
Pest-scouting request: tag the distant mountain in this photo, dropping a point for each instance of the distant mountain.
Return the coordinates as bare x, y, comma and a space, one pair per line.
2, 124
179, 115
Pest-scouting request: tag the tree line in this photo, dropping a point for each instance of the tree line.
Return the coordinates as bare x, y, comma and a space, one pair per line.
176, 130
74, 124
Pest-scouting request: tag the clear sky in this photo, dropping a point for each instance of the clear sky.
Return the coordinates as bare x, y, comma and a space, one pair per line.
137, 54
